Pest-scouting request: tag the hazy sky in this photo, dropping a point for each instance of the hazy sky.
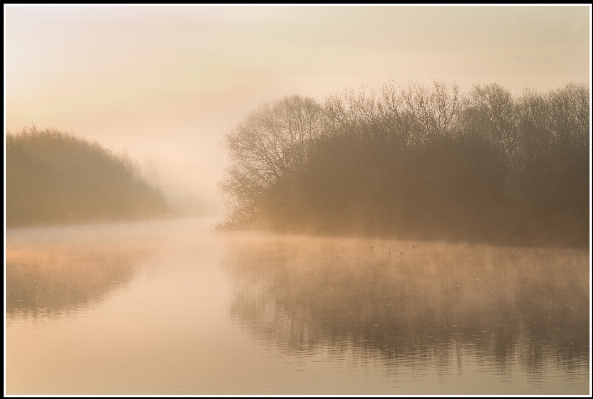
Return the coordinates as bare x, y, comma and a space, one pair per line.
166, 83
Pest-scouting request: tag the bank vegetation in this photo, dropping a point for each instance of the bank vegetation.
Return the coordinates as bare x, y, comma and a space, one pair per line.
57, 178
416, 162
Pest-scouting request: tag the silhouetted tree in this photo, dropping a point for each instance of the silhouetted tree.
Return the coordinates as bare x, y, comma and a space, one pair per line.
417, 162
268, 148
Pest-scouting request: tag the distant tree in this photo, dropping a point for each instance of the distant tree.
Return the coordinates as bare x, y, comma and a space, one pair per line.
53, 177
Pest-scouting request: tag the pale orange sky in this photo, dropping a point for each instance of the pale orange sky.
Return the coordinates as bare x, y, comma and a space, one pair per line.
166, 83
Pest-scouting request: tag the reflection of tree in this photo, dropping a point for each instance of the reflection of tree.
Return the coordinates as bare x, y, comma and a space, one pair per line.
427, 302
50, 281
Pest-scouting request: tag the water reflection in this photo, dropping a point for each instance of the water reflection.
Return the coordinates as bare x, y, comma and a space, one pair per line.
41, 283
144, 308
49, 274
436, 303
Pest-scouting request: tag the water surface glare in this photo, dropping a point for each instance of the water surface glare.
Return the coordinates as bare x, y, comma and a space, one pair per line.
175, 308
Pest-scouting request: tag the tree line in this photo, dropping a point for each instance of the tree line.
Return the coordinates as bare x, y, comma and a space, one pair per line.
57, 178
416, 162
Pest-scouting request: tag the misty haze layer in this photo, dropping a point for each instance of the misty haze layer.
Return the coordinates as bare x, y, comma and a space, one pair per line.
417, 162
56, 178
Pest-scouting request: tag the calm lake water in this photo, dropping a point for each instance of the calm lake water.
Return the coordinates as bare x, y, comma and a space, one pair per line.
176, 308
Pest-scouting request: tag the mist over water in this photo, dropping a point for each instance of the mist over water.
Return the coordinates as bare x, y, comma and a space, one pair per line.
306, 293
393, 252
173, 307
337, 200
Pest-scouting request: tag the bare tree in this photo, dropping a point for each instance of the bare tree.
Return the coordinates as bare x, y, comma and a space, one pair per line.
269, 146
416, 161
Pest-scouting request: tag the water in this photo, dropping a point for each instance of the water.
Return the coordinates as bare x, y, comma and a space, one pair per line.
175, 308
